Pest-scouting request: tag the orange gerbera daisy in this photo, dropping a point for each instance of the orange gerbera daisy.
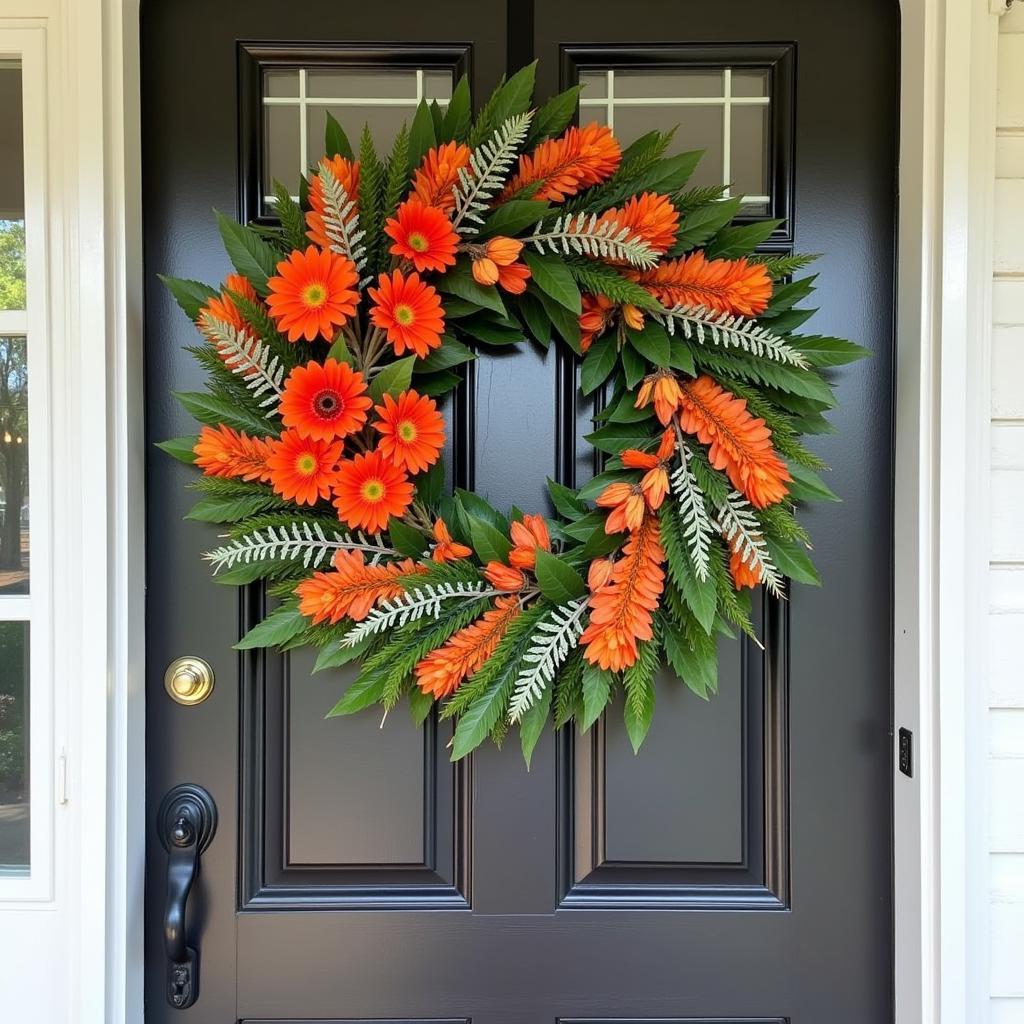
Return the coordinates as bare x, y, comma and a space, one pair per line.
597, 314
409, 310
412, 429
743, 575
663, 387
739, 443
222, 307
422, 234
437, 175
353, 588
621, 611
527, 537
445, 549
726, 286
560, 167
314, 292
654, 483
346, 172
324, 400
627, 504
650, 217
303, 469
221, 451
368, 490
442, 671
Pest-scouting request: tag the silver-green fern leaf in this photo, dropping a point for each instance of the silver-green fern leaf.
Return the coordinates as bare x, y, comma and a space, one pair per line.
585, 234
304, 541
341, 221
738, 524
423, 602
730, 331
245, 354
558, 634
488, 168
697, 524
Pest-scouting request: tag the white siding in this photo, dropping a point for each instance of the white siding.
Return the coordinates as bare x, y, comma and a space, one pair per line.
1006, 611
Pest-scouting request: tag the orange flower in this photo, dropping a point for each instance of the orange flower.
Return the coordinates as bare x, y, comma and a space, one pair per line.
650, 217
663, 387
599, 573
597, 314
221, 451
314, 292
353, 588
559, 168
222, 307
633, 316
654, 483
621, 610
422, 234
445, 549
409, 310
438, 174
442, 671
501, 577
527, 537
743, 575
369, 490
347, 174
513, 278
413, 431
739, 443
627, 504
325, 400
492, 256
726, 286
301, 469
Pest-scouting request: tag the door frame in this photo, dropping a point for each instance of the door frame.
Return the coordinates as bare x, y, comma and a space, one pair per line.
947, 122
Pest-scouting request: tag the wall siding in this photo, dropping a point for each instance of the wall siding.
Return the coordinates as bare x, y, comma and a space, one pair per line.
1006, 574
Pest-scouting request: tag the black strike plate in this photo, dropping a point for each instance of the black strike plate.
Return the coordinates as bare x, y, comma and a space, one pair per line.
906, 753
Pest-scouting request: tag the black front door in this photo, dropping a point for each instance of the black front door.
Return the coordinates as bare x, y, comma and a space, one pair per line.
739, 868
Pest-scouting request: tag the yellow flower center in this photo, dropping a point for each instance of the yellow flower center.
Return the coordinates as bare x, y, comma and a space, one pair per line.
372, 490
418, 242
314, 295
404, 314
306, 464
407, 431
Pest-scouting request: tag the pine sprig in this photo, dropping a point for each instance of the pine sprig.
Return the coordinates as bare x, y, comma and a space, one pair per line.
779, 267
341, 219
569, 689
371, 198
397, 174
600, 279
585, 234
700, 195
728, 330
245, 354
289, 213
740, 527
559, 633
695, 522
489, 165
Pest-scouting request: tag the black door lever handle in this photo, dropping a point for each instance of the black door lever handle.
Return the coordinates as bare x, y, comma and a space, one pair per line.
186, 822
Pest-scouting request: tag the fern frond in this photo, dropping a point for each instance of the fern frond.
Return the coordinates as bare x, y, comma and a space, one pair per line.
585, 234
559, 633
730, 331
246, 355
397, 175
371, 197
783, 266
289, 213
740, 527
600, 279
341, 220
489, 165
696, 523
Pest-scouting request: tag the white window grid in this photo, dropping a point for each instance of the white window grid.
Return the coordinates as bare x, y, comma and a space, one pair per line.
303, 101
726, 101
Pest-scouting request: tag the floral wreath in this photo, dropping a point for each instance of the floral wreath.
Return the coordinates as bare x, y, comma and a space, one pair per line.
321, 440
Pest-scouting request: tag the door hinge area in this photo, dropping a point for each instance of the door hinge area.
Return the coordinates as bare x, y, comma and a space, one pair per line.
906, 753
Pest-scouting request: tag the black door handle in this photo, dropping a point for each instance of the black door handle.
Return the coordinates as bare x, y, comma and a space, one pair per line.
186, 822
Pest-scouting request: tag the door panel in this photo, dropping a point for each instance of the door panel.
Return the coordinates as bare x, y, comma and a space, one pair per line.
738, 869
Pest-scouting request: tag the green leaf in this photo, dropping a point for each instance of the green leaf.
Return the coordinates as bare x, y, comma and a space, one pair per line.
671, 174
395, 378
334, 653
531, 726
488, 543
249, 254
616, 437
481, 328
514, 96
335, 140
366, 690
793, 560
785, 296
420, 705
698, 670
406, 539
808, 486
190, 295
701, 596
339, 351
511, 217
559, 582
478, 507
537, 321
597, 364
821, 351
597, 691
553, 277
180, 448
680, 357
625, 411
702, 223
280, 626
741, 240
212, 410
217, 509
565, 322
565, 501
451, 353
459, 115
638, 681
421, 134
633, 366
459, 281
434, 385
596, 484
652, 343
555, 115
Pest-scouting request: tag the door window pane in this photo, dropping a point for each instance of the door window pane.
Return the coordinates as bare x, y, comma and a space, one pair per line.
12, 190
14, 748
14, 519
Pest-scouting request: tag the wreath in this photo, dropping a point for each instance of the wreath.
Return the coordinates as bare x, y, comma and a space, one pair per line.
320, 447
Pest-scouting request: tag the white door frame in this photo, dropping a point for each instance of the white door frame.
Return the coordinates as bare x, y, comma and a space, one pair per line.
946, 161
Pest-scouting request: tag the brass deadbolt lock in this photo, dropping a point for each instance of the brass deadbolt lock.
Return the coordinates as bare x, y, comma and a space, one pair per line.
188, 681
